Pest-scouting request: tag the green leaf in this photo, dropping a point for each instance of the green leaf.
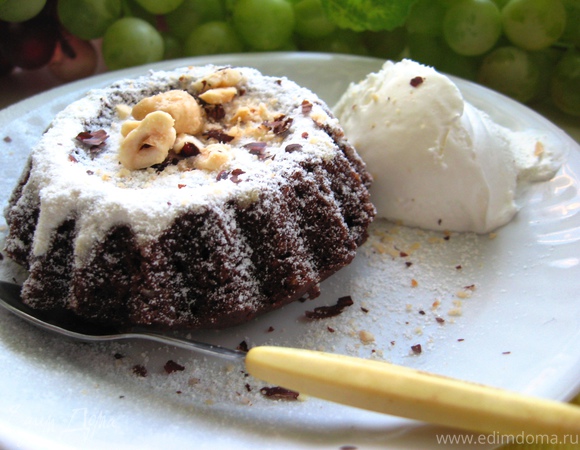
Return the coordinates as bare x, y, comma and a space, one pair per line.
374, 15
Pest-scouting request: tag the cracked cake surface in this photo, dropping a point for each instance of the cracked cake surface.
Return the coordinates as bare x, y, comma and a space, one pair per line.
193, 198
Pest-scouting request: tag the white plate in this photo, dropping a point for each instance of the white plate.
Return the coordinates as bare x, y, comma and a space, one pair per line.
518, 330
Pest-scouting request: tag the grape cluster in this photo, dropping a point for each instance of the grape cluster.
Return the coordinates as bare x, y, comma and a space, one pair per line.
527, 49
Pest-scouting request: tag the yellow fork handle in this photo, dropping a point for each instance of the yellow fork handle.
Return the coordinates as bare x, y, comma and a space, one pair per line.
404, 392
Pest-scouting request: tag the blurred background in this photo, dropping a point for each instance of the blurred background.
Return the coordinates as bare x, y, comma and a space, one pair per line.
526, 49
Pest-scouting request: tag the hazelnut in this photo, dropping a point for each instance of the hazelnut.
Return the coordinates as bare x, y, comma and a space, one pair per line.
149, 143
179, 104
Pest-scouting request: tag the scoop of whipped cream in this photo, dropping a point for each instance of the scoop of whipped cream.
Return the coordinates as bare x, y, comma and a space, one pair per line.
439, 162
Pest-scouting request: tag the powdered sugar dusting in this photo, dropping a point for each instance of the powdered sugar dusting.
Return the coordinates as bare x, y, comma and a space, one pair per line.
84, 184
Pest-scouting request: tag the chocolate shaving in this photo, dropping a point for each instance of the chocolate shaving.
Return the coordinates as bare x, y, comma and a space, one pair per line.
279, 393
219, 136
7, 139
72, 158
290, 148
222, 175
214, 112
324, 312
235, 174
258, 149
92, 137
416, 81
171, 366
280, 124
306, 107
189, 149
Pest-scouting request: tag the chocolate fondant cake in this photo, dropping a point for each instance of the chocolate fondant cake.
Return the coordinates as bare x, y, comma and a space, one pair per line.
192, 198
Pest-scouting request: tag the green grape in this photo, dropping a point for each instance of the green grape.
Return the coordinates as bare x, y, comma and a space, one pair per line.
159, 6
428, 50
426, 18
572, 31
533, 24
565, 88
545, 60
264, 24
341, 41
172, 47
386, 44
212, 38
131, 42
472, 27
311, 20
20, 10
511, 71
373, 15
134, 9
88, 19
465, 67
191, 13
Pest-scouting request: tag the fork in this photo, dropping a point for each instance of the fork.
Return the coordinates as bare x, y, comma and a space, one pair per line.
372, 385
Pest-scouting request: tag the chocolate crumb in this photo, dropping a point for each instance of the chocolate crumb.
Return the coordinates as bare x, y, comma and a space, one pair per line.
248, 387
421, 312
458, 267
324, 312
279, 393
305, 135
7, 139
408, 263
505, 353
140, 370
1, 257
171, 366
118, 356
460, 340
71, 158
243, 347
416, 348
181, 186
270, 329
90, 172
440, 319
348, 447
417, 81
330, 329
306, 107
364, 310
